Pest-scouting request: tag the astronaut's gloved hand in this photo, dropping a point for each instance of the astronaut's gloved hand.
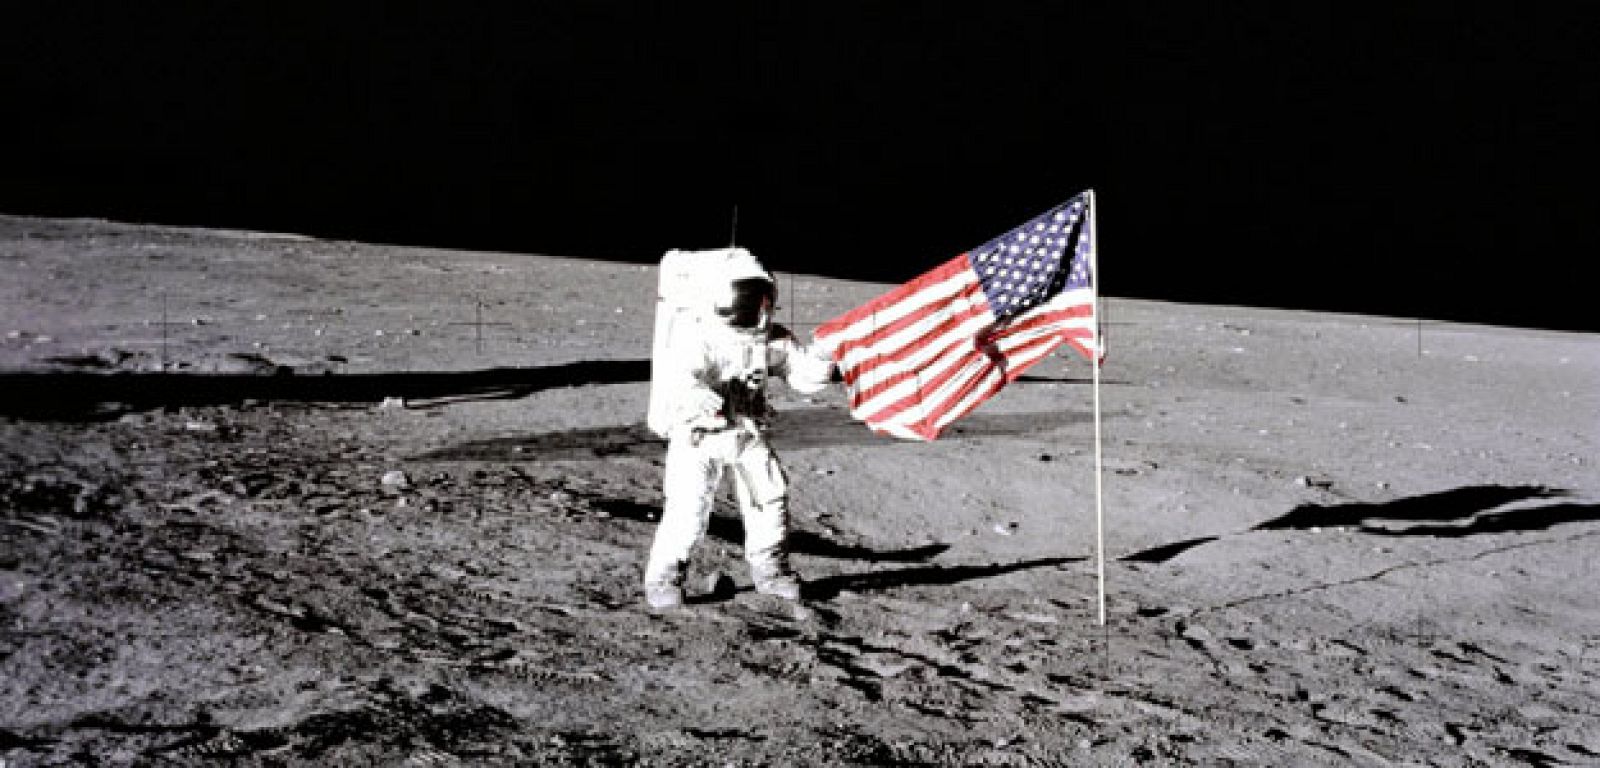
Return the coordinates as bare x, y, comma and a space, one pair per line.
693, 429
711, 422
823, 348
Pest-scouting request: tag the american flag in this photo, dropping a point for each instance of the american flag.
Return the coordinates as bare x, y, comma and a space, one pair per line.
927, 353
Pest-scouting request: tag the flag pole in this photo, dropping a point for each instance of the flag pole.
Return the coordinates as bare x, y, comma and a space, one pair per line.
1099, 342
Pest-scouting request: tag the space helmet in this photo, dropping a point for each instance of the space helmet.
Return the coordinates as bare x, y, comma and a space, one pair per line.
741, 292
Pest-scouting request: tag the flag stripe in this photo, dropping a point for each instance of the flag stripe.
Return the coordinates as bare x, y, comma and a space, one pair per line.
959, 366
1025, 360
909, 334
912, 345
979, 378
870, 372
903, 381
1043, 328
945, 281
929, 426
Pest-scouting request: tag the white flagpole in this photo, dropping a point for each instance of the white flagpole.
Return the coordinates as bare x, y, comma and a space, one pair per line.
1099, 342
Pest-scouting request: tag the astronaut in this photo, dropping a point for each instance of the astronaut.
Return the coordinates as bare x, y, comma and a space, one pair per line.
708, 398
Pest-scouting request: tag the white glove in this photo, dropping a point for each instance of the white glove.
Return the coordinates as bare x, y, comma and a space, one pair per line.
709, 423
693, 429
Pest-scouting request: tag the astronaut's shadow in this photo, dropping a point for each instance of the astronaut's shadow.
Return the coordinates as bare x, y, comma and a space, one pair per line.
726, 528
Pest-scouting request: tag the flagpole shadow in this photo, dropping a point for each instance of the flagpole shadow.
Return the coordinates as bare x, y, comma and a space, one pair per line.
830, 587
1033, 379
1165, 552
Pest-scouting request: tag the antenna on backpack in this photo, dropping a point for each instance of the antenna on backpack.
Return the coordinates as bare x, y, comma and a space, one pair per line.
733, 235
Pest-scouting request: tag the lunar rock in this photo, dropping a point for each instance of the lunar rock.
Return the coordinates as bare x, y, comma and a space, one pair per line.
395, 479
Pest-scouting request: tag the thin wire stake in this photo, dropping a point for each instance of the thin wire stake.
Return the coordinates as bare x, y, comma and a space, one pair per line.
166, 324
163, 331
478, 322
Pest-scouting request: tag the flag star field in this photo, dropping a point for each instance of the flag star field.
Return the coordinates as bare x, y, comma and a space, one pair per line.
1023, 267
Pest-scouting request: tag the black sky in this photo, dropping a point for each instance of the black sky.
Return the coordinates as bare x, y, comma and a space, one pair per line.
1418, 159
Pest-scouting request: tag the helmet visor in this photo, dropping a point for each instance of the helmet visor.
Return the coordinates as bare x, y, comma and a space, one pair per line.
749, 305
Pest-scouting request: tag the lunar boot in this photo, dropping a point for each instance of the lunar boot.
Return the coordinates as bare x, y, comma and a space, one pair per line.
777, 580
667, 591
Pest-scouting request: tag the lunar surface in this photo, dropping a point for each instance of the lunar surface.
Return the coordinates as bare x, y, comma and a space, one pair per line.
274, 500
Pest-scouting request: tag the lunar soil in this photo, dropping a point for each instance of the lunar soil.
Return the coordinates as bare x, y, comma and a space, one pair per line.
273, 500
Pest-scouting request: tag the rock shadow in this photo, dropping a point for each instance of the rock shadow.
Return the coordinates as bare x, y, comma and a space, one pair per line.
588, 443
85, 396
1508, 521
1456, 513
927, 575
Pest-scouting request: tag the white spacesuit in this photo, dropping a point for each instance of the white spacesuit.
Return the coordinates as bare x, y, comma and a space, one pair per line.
715, 348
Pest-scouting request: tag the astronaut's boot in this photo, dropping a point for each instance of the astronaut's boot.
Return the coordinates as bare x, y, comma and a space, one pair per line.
665, 590
773, 577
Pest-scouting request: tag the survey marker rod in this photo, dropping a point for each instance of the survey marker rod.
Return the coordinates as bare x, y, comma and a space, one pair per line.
1099, 352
